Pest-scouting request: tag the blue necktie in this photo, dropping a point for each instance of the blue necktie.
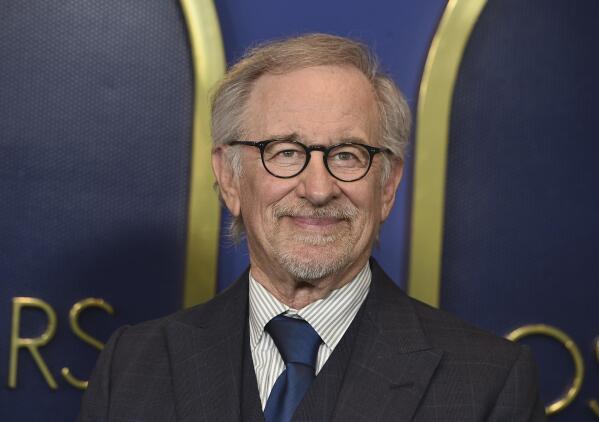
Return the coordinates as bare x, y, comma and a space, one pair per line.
298, 345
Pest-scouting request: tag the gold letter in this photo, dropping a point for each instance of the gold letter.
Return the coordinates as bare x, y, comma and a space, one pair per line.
568, 343
74, 321
594, 404
32, 344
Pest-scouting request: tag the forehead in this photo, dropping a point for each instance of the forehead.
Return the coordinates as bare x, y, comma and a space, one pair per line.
322, 104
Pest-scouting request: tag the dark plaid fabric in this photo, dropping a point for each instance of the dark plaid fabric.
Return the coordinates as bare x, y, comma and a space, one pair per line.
407, 362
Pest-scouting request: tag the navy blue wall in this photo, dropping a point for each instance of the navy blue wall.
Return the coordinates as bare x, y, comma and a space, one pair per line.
521, 228
95, 130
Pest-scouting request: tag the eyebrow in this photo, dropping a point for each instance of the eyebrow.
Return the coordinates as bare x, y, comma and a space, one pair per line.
353, 139
294, 137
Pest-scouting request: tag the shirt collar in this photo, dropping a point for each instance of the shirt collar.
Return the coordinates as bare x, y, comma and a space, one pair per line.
329, 316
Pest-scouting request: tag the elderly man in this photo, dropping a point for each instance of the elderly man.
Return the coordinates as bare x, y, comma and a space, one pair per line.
309, 140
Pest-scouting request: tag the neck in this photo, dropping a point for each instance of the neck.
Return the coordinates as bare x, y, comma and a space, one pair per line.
297, 294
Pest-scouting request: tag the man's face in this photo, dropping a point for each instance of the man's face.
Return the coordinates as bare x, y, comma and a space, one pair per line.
311, 226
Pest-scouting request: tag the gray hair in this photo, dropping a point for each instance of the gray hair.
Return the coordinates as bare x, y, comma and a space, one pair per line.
283, 56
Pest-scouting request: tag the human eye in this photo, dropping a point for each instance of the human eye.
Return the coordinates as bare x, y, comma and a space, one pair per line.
287, 153
284, 153
348, 156
344, 156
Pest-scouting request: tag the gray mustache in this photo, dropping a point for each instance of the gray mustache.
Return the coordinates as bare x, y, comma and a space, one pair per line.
341, 213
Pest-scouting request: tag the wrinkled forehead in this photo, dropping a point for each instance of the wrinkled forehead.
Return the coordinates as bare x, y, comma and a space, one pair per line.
316, 102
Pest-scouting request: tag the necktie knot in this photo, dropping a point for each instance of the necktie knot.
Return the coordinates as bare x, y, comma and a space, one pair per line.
295, 339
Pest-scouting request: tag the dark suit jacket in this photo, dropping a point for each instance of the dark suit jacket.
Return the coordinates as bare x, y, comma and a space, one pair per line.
408, 362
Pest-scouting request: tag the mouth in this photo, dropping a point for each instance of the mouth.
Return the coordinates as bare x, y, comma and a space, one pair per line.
314, 231
317, 223
302, 221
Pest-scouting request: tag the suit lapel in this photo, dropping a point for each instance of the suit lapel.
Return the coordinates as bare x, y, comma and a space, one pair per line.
392, 362
320, 402
206, 357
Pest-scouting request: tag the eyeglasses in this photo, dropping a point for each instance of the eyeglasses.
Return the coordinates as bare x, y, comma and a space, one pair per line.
347, 162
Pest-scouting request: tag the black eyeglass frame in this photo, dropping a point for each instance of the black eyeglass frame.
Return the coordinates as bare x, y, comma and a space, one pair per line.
261, 145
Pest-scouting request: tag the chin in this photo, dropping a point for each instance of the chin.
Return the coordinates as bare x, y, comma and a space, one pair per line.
314, 262
308, 240
309, 271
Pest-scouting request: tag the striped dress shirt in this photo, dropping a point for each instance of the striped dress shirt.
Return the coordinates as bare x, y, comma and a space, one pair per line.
330, 317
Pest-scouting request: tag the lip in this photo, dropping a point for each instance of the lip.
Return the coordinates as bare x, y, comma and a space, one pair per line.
315, 222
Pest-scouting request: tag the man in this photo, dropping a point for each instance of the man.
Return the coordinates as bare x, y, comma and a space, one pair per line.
309, 140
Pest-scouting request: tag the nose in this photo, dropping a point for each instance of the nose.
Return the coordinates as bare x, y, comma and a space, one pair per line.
316, 183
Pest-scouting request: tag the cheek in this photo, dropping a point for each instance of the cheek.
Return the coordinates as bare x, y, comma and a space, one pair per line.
249, 206
259, 195
366, 197
369, 202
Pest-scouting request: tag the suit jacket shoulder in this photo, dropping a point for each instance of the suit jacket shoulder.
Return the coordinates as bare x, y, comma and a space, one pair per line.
487, 357
456, 337
418, 363
173, 368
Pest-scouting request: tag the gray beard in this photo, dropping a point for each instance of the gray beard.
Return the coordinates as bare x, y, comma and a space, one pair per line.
314, 270
330, 262
310, 271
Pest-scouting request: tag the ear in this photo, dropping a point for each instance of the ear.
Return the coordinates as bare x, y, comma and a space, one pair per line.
390, 188
228, 184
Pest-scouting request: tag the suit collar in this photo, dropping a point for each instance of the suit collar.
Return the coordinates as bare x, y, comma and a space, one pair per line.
392, 361
392, 312
205, 351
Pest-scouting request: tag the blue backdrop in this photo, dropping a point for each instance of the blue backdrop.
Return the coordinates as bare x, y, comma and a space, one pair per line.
522, 198
95, 133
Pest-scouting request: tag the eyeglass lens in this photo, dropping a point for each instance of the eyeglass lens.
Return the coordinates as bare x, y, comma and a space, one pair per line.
287, 159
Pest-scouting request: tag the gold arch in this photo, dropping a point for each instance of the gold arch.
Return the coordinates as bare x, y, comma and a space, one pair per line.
566, 341
432, 136
593, 403
204, 209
